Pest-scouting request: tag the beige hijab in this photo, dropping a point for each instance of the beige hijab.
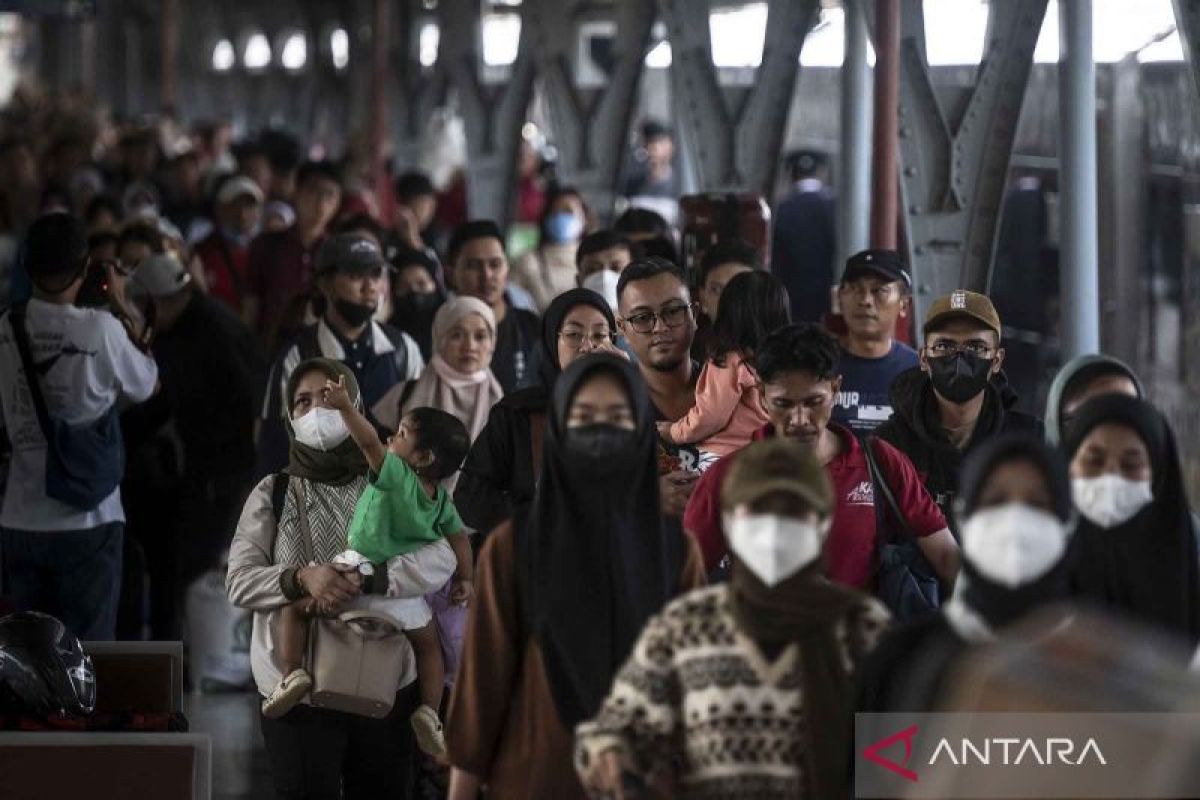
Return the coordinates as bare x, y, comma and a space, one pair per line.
467, 395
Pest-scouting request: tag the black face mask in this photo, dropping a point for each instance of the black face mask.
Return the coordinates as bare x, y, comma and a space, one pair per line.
601, 450
416, 304
960, 377
353, 313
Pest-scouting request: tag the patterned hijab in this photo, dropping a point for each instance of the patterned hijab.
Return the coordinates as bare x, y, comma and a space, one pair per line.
342, 464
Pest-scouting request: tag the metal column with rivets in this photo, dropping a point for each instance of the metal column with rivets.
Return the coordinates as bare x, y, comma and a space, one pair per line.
954, 156
735, 134
492, 113
591, 124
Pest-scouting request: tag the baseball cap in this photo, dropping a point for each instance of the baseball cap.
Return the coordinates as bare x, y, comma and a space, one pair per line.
777, 465
962, 303
239, 186
161, 275
886, 264
55, 247
348, 252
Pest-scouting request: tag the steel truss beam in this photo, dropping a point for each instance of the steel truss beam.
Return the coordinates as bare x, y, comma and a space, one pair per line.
736, 134
415, 91
954, 168
1187, 18
590, 125
493, 115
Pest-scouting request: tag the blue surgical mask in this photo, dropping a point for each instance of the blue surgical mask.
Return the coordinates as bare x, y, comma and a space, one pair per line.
563, 227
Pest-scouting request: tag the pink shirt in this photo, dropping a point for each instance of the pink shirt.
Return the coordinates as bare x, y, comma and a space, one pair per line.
728, 410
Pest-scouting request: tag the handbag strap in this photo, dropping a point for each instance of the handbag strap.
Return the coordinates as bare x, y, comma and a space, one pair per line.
537, 432
306, 540
880, 481
16, 318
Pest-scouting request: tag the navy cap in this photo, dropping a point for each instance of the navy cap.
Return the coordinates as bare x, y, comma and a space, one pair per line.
349, 252
886, 264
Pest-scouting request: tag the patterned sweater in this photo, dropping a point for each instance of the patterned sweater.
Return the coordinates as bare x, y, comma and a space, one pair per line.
700, 694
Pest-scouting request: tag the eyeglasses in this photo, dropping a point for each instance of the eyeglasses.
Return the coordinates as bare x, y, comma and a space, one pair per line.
576, 338
671, 316
975, 347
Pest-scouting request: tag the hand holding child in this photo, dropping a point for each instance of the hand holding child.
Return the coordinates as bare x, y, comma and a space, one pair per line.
461, 591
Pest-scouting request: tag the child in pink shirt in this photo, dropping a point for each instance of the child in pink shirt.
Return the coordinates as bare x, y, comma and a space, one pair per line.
729, 402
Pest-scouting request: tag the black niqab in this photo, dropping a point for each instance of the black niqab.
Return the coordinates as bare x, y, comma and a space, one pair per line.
998, 604
594, 558
1146, 567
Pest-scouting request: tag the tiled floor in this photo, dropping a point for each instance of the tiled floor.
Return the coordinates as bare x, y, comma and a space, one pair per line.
239, 765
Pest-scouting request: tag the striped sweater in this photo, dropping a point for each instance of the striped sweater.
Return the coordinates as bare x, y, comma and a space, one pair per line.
698, 693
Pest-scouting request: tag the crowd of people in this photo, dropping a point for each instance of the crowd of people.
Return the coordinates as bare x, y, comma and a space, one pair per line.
607, 522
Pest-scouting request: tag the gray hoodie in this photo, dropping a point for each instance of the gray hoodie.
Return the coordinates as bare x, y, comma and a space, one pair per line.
1101, 364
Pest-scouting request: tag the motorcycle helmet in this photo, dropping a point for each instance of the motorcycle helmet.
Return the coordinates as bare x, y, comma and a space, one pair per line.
43, 669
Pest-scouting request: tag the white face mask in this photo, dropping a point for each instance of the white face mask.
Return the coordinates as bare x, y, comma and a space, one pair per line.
773, 547
1014, 544
604, 283
1110, 499
321, 429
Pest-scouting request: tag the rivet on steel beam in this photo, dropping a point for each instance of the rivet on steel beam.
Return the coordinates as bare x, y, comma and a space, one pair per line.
919, 249
905, 133
914, 209
910, 171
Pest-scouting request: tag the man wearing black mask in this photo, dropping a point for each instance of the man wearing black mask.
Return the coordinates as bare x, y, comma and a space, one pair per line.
957, 398
347, 277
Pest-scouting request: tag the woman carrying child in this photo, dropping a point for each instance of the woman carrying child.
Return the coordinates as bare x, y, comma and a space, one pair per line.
314, 751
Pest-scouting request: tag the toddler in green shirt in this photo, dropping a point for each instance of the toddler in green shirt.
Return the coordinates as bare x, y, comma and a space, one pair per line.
404, 508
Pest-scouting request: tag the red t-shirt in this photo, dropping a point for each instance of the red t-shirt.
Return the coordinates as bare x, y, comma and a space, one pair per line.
851, 542
278, 267
224, 269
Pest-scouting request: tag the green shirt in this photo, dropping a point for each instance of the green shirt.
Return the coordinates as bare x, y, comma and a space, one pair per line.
395, 516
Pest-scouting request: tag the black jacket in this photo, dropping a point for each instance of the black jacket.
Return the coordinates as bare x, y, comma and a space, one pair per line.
498, 475
914, 429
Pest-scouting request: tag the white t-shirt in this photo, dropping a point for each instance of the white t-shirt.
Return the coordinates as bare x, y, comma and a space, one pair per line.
95, 366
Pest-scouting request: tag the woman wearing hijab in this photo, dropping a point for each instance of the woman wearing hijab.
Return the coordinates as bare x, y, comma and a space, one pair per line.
1081, 379
457, 379
746, 688
313, 751
499, 474
1137, 538
563, 590
1018, 549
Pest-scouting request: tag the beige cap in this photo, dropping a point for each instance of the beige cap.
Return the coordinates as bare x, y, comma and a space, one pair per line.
962, 303
777, 465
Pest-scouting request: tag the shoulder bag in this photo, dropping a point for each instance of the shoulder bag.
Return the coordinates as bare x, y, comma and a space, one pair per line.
904, 580
356, 658
84, 463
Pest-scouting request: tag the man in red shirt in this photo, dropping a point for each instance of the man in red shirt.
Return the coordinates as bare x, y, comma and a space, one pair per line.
798, 368
280, 265
225, 251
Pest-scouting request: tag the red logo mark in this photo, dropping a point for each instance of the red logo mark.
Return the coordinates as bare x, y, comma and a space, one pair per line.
906, 736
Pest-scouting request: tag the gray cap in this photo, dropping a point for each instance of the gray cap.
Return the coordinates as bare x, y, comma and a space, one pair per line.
161, 275
349, 252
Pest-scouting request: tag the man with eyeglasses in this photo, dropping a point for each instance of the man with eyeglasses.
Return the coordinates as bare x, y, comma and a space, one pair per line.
656, 315
874, 294
957, 398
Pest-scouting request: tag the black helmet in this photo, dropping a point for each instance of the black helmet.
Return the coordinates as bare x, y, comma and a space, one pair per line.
43, 669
